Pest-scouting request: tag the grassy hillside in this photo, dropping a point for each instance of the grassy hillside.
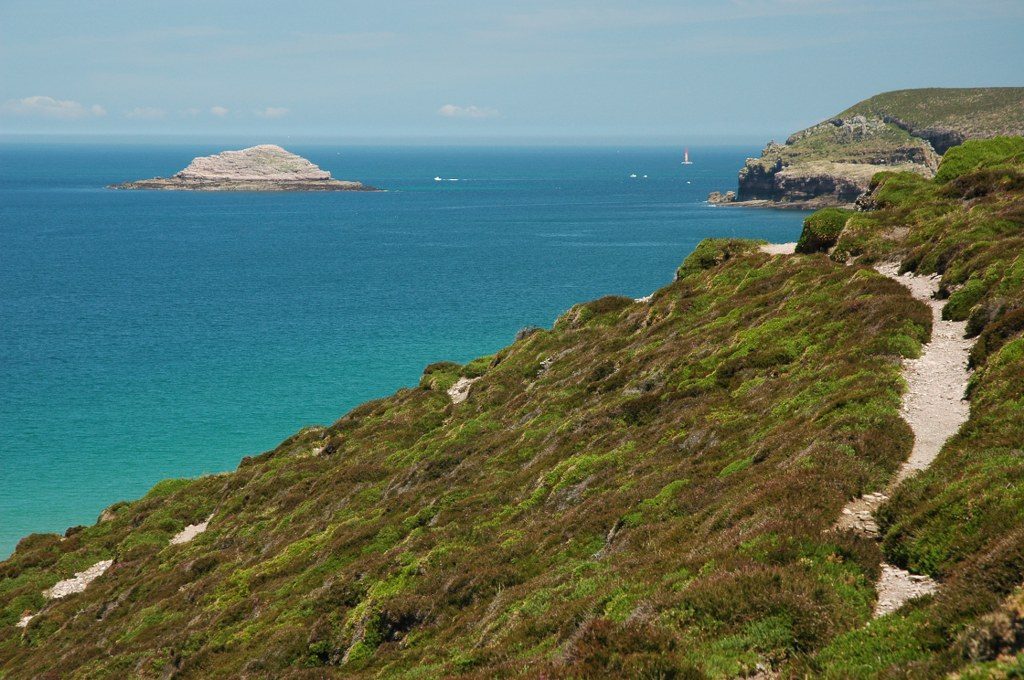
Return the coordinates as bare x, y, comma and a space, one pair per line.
961, 519
643, 488
974, 112
647, 489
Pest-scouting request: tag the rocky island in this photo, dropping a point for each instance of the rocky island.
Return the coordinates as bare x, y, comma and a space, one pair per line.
266, 167
832, 163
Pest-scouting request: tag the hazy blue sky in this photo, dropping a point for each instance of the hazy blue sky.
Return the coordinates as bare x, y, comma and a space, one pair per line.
646, 69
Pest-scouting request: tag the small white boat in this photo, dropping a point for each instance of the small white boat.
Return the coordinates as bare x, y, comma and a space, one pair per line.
632, 175
686, 157
437, 179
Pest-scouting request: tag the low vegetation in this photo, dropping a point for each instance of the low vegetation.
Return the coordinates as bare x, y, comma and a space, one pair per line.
822, 229
948, 115
646, 488
960, 520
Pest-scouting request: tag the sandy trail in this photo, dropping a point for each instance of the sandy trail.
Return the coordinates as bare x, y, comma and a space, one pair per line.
78, 582
190, 532
779, 248
934, 407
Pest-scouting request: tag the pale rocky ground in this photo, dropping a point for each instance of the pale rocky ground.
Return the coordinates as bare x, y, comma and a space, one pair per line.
265, 162
779, 248
858, 173
933, 406
459, 392
78, 582
190, 532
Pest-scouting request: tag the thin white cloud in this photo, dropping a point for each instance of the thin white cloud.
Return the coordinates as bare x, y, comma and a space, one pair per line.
48, 107
272, 112
454, 111
145, 113
219, 111
585, 18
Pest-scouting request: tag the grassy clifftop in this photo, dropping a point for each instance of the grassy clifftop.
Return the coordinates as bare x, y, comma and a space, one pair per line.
948, 116
832, 163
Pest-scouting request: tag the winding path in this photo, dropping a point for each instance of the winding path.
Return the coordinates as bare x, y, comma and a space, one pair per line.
933, 406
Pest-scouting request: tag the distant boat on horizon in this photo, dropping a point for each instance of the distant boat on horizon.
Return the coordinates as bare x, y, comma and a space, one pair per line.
686, 157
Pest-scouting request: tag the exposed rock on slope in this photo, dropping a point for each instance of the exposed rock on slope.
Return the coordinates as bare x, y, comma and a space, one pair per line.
832, 163
266, 167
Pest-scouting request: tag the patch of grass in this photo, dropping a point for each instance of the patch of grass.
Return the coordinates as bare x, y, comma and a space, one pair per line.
974, 155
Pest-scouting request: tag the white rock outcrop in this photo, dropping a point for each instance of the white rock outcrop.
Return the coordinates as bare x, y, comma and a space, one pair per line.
78, 582
265, 162
190, 532
266, 167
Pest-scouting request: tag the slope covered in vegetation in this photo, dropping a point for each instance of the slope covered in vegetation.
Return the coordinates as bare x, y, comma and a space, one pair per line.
948, 116
961, 519
645, 487
648, 489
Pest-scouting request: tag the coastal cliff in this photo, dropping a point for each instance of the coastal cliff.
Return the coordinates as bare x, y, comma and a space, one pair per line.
717, 480
266, 167
832, 163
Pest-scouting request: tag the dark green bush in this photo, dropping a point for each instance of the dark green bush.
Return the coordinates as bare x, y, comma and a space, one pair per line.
997, 335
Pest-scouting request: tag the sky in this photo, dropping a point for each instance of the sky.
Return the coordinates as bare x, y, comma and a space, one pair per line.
452, 70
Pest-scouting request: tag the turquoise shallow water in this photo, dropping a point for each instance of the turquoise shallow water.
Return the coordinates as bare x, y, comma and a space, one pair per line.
146, 335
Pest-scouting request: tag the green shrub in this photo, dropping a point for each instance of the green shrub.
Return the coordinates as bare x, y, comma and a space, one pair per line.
712, 252
822, 229
958, 308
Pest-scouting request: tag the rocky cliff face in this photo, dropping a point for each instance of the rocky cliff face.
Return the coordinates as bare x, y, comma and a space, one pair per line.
832, 163
266, 167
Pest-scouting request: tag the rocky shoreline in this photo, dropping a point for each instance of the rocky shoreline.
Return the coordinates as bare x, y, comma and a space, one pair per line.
266, 167
728, 199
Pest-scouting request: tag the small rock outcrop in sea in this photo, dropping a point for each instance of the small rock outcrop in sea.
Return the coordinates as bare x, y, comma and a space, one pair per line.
717, 197
266, 167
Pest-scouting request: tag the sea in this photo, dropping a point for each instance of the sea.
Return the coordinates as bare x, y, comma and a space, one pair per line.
148, 335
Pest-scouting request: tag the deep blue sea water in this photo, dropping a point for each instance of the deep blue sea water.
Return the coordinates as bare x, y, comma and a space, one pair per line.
146, 335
